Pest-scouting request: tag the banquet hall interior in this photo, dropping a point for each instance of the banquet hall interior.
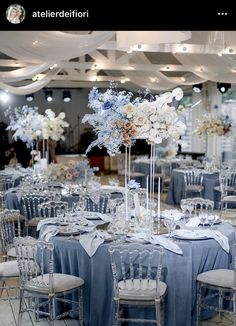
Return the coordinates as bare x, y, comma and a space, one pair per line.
115, 147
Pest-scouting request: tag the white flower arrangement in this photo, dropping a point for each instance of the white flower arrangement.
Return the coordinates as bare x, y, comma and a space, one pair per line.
29, 125
221, 126
119, 121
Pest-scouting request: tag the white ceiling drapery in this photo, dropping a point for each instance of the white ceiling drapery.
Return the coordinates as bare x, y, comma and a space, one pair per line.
41, 47
83, 57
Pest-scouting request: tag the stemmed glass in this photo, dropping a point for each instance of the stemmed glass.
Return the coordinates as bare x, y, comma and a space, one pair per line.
203, 217
190, 208
170, 224
211, 220
183, 206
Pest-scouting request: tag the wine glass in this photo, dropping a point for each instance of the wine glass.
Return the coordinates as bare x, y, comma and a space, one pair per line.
211, 220
170, 224
183, 206
203, 217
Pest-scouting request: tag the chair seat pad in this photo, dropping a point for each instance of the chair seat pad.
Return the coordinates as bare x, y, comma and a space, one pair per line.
194, 188
229, 199
33, 222
11, 252
218, 277
137, 174
9, 269
62, 283
141, 290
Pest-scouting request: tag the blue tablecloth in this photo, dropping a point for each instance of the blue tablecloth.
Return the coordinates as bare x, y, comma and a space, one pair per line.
179, 271
176, 187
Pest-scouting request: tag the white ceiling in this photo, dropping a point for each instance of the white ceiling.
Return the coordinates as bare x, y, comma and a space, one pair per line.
30, 61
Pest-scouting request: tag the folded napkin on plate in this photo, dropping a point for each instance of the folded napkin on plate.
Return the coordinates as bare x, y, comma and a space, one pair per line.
193, 222
167, 243
91, 241
104, 217
172, 213
201, 234
50, 232
51, 220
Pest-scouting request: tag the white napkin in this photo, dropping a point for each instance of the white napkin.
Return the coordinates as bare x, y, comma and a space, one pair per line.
91, 241
220, 238
172, 213
201, 234
50, 232
166, 243
103, 217
157, 239
51, 220
193, 222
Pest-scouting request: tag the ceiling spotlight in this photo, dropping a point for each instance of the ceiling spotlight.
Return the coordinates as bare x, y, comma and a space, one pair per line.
66, 96
4, 97
197, 88
29, 97
223, 87
48, 96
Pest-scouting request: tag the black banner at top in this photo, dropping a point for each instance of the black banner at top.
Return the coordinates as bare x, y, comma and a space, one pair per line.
115, 15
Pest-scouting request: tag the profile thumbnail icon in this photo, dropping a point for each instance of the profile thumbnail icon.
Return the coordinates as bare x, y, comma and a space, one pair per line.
15, 14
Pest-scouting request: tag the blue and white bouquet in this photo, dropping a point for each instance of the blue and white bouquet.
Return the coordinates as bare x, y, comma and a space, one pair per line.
119, 121
28, 125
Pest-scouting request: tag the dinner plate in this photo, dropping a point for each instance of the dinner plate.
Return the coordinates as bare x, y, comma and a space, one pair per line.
91, 216
189, 235
69, 231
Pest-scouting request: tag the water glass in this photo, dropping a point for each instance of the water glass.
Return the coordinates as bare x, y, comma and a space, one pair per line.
170, 224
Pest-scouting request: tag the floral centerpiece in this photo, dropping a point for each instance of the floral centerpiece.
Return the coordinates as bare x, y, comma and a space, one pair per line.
71, 172
25, 122
220, 126
119, 121
52, 126
28, 125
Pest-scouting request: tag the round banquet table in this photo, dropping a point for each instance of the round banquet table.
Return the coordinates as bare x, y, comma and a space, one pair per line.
179, 272
176, 187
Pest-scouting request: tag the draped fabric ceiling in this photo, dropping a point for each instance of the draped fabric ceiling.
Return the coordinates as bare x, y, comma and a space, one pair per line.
31, 60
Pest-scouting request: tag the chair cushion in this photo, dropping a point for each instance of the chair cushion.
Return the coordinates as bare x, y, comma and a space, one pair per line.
229, 199
217, 277
62, 283
11, 252
140, 290
194, 188
9, 269
33, 222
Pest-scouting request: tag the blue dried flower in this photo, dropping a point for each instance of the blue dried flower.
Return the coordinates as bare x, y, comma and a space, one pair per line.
132, 184
107, 105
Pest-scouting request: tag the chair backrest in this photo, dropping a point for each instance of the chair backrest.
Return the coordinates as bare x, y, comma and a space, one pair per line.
135, 262
97, 202
197, 203
6, 183
227, 182
34, 259
193, 177
11, 225
52, 208
141, 193
30, 204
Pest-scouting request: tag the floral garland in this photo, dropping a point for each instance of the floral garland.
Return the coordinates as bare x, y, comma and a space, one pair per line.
119, 121
29, 125
221, 126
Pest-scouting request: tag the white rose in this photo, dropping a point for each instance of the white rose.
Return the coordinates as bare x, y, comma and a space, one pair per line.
62, 115
177, 93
